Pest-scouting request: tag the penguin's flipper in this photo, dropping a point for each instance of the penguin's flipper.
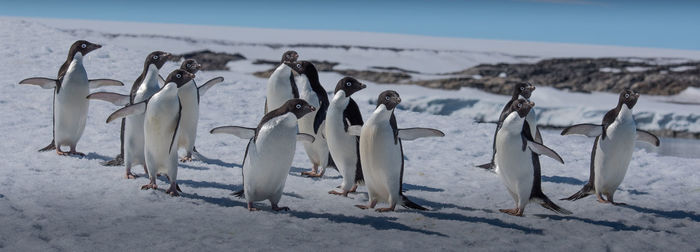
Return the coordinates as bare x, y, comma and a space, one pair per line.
646, 136
44, 83
104, 82
241, 132
114, 98
586, 129
405, 202
538, 135
161, 81
415, 133
544, 150
206, 86
355, 130
138, 108
303, 137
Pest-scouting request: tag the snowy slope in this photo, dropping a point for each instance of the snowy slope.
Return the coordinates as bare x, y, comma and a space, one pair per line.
49, 202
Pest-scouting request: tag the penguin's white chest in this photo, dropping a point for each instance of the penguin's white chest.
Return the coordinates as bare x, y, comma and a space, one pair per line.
270, 158
381, 160
342, 146
71, 105
160, 122
279, 87
514, 165
613, 154
318, 150
190, 115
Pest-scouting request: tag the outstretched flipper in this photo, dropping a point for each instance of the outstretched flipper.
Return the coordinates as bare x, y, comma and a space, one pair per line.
114, 98
104, 82
646, 136
405, 202
137, 108
207, 85
586, 129
241, 132
45, 83
303, 137
415, 133
544, 150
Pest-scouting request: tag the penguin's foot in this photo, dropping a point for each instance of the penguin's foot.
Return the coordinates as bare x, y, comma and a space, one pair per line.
186, 158
130, 175
353, 189
70, 153
344, 193
277, 208
514, 211
600, 199
362, 206
172, 190
312, 174
149, 186
251, 208
385, 209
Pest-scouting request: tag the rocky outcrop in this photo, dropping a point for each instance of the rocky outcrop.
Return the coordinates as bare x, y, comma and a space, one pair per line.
210, 60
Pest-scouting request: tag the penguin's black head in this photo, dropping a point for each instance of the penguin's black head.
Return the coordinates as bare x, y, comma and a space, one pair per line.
523, 89
191, 66
290, 56
521, 106
180, 77
157, 58
83, 47
389, 98
349, 85
298, 107
628, 97
303, 67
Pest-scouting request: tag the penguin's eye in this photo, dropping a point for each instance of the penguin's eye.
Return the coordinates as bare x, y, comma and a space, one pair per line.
188, 65
522, 88
386, 97
298, 106
178, 76
155, 57
348, 84
627, 95
83, 45
520, 105
298, 65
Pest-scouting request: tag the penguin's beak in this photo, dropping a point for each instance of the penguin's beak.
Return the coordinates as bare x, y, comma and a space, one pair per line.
362, 86
636, 95
532, 104
532, 88
312, 108
398, 100
198, 66
166, 55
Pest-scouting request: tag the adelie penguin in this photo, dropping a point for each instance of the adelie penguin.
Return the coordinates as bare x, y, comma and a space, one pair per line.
189, 95
381, 153
518, 163
162, 115
281, 85
312, 92
343, 112
520, 90
131, 133
70, 106
270, 151
612, 148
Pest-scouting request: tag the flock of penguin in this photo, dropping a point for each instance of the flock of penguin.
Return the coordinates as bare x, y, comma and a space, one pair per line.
159, 117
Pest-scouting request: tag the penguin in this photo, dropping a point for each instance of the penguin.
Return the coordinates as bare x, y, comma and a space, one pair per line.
312, 92
342, 113
131, 133
270, 151
518, 163
524, 90
612, 148
70, 106
381, 153
281, 85
189, 95
162, 114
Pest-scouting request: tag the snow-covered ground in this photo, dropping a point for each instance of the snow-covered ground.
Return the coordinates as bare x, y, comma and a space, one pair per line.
49, 202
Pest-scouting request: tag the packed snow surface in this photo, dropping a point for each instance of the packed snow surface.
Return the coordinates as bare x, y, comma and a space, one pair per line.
50, 202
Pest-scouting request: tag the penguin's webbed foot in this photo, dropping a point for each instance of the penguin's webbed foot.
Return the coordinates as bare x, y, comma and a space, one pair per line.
251, 208
277, 209
353, 189
334, 192
130, 175
514, 211
70, 153
186, 158
385, 209
172, 192
362, 206
149, 186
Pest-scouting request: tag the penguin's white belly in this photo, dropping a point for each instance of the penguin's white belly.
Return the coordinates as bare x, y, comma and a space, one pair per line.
318, 150
613, 155
268, 162
159, 126
514, 166
381, 162
134, 140
342, 146
279, 88
71, 106
190, 116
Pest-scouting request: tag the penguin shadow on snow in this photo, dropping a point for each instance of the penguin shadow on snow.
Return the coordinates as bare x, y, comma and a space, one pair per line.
296, 172
378, 223
214, 161
92, 156
669, 214
578, 182
192, 167
616, 226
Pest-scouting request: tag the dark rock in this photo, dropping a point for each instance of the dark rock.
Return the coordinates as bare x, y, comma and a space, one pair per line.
210, 60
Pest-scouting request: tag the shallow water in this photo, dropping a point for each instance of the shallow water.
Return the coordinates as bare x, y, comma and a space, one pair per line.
676, 147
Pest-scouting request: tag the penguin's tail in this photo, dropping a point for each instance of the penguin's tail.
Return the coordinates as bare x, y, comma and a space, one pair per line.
51, 146
239, 194
585, 191
405, 202
487, 166
117, 161
546, 203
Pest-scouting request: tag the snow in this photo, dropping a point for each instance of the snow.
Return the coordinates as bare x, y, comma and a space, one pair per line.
48, 202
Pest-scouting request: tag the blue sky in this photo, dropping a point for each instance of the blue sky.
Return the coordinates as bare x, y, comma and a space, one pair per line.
661, 24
